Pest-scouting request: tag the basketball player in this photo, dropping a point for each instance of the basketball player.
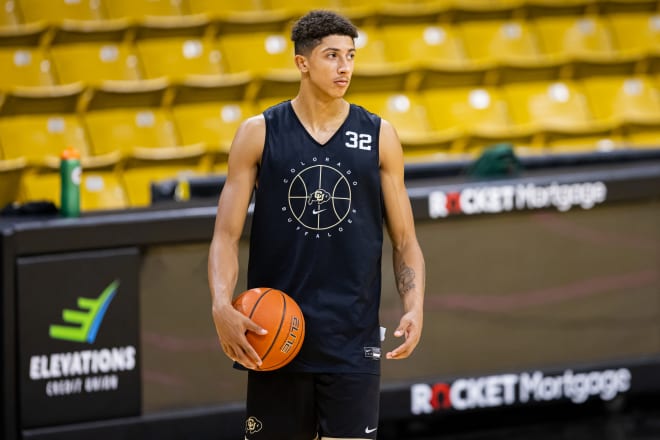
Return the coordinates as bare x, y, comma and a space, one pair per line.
326, 176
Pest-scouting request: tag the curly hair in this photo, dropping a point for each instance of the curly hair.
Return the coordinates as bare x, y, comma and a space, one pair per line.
310, 29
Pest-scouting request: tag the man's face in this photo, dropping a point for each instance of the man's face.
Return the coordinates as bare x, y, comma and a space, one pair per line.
330, 64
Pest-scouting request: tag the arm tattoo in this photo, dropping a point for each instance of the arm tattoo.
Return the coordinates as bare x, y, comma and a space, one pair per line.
405, 279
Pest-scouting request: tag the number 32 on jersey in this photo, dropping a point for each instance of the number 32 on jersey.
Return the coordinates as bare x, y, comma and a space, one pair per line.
361, 141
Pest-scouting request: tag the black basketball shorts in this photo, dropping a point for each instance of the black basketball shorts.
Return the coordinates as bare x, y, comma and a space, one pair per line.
298, 406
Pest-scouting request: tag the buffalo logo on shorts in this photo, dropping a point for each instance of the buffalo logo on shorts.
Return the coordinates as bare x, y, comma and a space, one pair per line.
252, 425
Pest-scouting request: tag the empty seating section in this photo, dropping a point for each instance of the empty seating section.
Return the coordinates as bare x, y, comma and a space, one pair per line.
587, 44
423, 43
638, 34
59, 10
511, 49
217, 8
131, 122
34, 127
257, 52
209, 113
563, 115
8, 15
95, 62
137, 9
25, 66
11, 174
408, 114
154, 89
632, 102
482, 115
118, 125
186, 56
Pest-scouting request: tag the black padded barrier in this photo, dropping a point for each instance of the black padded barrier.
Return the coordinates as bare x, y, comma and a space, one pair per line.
475, 233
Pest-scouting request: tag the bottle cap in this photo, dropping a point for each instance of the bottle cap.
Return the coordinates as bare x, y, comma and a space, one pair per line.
70, 153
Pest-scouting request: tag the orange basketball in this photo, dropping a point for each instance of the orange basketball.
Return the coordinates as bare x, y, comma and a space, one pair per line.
278, 313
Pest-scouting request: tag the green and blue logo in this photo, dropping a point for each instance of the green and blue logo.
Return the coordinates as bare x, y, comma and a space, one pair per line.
85, 324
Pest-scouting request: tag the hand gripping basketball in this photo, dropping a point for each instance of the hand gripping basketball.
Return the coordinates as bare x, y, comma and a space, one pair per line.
281, 316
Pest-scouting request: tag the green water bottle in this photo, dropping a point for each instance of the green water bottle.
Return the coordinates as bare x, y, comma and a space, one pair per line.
70, 176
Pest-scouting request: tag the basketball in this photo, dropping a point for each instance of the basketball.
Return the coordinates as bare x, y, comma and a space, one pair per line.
278, 313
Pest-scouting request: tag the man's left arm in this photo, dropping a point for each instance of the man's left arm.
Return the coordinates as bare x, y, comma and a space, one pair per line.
408, 260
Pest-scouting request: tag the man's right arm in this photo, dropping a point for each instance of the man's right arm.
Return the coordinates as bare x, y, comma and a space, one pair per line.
230, 324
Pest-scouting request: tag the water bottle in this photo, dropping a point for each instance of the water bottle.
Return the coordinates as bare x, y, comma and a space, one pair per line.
70, 176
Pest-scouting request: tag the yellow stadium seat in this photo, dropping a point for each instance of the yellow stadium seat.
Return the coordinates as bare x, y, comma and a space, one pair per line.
500, 9
93, 57
270, 61
436, 52
510, 45
59, 10
422, 42
497, 41
642, 136
634, 99
173, 26
361, 12
563, 115
11, 172
23, 35
637, 34
36, 127
548, 8
178, 57
297, 8
25, 66
122, 116
147, 165
209, 113
389, 12
357, 11
130, 120
374, 70
139, 9
101, 187
370, 47
266, 102
634, 102
215, 7
481, 114
408, 115
9, 17
37, 123
585, 41
625, 6
267, 51
232, 21
239, 15
276, 85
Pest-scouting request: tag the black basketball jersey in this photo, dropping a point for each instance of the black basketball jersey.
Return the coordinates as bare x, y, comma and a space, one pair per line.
317, 234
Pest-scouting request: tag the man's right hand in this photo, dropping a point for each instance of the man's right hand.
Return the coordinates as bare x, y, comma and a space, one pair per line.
232, 327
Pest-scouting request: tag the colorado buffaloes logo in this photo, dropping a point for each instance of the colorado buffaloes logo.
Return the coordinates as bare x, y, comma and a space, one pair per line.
320, 197
252, 425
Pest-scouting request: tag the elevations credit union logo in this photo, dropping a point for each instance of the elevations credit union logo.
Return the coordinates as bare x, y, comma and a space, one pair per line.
88, 371
78, 337
85, 325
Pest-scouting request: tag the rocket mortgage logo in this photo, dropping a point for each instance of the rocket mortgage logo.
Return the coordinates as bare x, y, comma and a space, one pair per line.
84, 371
